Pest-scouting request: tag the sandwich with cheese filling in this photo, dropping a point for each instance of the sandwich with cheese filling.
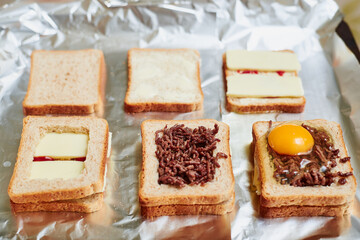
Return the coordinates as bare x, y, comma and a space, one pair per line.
262, 81
61, 164
302, 168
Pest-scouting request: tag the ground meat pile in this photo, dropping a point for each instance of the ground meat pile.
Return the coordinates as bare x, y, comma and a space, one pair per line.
310, 169
186, 156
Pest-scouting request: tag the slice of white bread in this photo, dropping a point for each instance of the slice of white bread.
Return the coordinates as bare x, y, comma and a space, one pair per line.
151, 193
22, 189
66, 82
191, 209
274, 194
164, 80
262, 105
87, 204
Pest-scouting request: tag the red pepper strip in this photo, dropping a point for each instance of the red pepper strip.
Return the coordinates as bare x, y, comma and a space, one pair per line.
247, 71
281, 73
41, 159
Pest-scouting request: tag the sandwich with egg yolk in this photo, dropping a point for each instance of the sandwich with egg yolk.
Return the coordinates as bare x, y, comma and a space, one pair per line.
302, 168
61, 164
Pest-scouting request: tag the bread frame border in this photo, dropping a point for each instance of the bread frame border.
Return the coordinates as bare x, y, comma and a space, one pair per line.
176, 199
260, 108
68, 108
156, 106
61, 194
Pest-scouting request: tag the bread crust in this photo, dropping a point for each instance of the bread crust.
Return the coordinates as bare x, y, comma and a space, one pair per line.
289, 105
157, 106
89, 204
304, 211
31, 109
192, 209
32, 124
334, 195
220, 196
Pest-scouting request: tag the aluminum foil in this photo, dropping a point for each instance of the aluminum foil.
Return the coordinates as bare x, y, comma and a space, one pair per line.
329, 73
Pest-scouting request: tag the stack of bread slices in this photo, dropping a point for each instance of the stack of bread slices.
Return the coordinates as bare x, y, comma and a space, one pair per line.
51, 183
285, 200
214, 197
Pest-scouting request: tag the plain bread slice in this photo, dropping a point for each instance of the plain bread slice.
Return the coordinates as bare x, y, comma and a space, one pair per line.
66, 82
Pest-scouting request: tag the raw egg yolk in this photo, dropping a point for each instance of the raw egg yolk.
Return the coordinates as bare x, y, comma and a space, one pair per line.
290, 139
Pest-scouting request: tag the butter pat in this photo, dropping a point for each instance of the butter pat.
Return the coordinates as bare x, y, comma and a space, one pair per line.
62, 145
262, 60
253, 85
56, 169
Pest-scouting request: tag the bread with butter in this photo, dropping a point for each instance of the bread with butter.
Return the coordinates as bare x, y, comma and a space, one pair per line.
163, 80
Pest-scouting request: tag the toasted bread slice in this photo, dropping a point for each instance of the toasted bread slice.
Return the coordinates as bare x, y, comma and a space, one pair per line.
191, 209
88, 204
274, 194
151, 193
66, 82
262, 105
22, 189
164, 80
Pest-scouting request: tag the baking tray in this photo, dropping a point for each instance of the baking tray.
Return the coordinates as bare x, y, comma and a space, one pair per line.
329, 73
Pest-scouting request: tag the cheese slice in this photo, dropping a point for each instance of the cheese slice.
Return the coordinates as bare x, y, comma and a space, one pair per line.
256, 180
256, 86
62, 145
262, 60
109, 145
56, 169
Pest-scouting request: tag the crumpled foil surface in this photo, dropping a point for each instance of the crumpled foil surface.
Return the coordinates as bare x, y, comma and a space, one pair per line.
330, 79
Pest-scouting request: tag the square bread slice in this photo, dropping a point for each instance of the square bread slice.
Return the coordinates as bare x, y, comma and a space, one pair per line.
274, 194
262, 105
217, 191
87, 204
22, 189
163, 80
66, 82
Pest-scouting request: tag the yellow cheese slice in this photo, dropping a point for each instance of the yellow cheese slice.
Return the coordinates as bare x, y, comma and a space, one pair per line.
262, 60
62, 145
254, 85
56, 169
